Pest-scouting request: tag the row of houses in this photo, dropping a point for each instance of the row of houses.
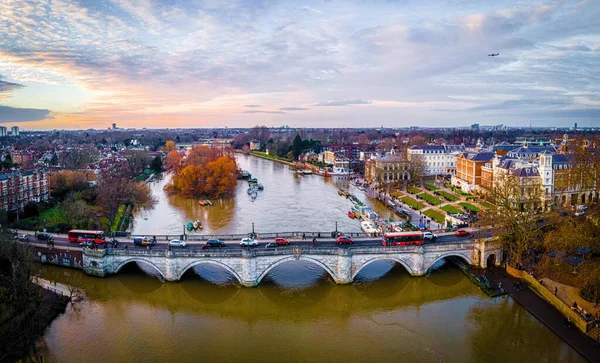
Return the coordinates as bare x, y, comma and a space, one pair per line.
19, 187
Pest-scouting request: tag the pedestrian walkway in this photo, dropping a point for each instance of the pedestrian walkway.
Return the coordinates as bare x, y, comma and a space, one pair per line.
547, 314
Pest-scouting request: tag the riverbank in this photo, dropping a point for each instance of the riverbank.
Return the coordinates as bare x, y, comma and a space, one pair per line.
547, 314
30, 322
271, 157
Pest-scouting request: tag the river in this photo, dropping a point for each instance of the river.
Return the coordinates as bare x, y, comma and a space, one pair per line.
297, 313
288, 203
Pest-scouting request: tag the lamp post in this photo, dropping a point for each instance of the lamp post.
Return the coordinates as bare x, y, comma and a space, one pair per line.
252, 229
336, 231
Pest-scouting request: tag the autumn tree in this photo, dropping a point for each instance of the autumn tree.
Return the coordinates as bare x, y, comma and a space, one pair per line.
573, 237
138, 161
513, 216
174, 161
68, 181
170, 146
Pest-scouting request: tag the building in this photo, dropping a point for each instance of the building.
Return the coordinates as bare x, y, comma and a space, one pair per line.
254, 145
3, 131
14, 131
438, 159
468, 170
19, 187
388, 169
475, 127
327, 157
114, 126
530, 152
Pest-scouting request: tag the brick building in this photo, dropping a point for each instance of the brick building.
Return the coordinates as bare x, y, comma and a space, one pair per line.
20, 187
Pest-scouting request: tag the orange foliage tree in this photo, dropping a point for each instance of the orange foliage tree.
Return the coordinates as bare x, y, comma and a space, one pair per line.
170, 146
203, 172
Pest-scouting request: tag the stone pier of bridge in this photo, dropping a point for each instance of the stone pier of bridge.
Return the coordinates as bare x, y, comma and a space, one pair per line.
250, 266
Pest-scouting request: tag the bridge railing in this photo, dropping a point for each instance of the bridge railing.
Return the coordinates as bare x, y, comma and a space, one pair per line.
260, 236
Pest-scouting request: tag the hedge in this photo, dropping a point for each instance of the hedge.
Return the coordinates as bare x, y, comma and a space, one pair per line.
469, 206
430, 199
435, 215
412, 203
450, 209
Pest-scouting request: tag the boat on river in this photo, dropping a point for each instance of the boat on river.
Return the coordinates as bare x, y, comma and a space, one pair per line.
205, 202
260, 186
190, 226
351, 215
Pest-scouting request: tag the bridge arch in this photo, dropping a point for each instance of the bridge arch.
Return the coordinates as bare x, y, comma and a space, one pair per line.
383, 258
291, 258
143, 260
463, 257
210, 262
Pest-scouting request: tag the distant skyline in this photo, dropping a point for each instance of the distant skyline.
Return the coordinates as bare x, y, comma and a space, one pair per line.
174, 63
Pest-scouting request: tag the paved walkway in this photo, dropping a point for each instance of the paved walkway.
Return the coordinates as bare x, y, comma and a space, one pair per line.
548, 315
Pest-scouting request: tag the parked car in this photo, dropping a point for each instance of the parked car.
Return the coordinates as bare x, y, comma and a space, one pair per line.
430, 236
44, 236
343, 240
271, 245
213, 242
248, 242
88, 244
462, 233
143, 241
23, 237
177, 243
459, 226
282, 241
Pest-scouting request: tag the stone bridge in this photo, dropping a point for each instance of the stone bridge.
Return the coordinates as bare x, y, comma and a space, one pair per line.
250, 266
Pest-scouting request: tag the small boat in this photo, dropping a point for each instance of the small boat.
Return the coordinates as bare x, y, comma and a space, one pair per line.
351, 215
253, 181
342, 193
260, 186
250, 190
357, 214
208, 202
190, 226
199, 224
195, 224
201, 202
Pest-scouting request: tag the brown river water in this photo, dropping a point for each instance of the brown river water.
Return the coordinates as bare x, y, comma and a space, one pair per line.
297, 313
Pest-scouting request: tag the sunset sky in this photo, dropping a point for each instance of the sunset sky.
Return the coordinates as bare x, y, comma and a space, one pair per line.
175, 63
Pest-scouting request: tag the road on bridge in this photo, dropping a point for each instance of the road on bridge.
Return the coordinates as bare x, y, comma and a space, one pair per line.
61, 240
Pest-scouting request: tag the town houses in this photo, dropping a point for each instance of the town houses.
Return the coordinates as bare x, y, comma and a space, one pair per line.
19, 187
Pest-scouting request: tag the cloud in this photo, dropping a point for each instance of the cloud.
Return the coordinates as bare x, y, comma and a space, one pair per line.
251, 105
294, 109
312, 10
259, 111
343, 103
6, 88
13, 114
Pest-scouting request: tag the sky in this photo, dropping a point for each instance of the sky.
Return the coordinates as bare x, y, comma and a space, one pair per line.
215, 63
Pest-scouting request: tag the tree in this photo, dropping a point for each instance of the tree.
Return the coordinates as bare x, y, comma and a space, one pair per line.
77, 157
54, 159
174, 161
513, 215
156, 164
297, 146
137, 160
115, 187
416, 169
170, 146
260, 133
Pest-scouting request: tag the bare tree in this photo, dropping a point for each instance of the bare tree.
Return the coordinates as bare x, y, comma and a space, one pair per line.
513, 215
77, 157
138, 161
417, 168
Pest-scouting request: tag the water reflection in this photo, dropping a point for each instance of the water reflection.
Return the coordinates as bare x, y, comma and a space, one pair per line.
288, 203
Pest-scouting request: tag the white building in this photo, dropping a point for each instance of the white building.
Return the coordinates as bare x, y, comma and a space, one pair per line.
3, 131
254, 145
14, 130
439, 159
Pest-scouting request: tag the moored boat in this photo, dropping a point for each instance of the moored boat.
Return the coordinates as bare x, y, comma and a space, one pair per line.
260, 186
351, 215
190, 226
201, 202
195, 224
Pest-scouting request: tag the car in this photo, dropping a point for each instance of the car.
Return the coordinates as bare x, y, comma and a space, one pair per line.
143, 241
430, 236
23, 237
462, 233
248, 242
459, 226
88, 244
282, 242
213, 242
271, 245
44, 236
579, 212
343, 240
177, 243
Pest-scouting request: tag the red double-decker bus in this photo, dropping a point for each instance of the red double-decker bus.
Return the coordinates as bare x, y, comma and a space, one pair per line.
403, 238
80, 235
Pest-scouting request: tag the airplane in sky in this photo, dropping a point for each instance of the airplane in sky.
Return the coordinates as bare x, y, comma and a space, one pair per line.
493, 54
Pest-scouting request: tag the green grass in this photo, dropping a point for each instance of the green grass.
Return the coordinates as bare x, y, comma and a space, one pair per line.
460, 192
431, 187
430, 199
396, 194
412, 203
469, 206
450, 209
413, 190
485, 204
117, 222
53, 216
449, 197
436, 215
268, 156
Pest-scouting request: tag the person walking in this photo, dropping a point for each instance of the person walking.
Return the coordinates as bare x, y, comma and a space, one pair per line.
314, 242
555, 290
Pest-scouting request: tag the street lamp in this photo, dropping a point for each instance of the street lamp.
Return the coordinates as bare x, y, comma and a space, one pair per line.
336, 232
